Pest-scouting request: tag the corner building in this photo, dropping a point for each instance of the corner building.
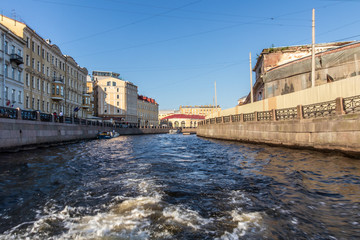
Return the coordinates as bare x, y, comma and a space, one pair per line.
53, 82
11, 73
115, 98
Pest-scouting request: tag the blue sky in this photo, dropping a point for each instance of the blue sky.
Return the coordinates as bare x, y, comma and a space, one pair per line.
174, 50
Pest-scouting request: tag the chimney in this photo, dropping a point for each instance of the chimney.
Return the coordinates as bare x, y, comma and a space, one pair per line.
48, 41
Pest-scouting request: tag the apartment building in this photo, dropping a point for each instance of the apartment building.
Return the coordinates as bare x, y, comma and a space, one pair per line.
147, 111
53, 82
11, 73
114, 98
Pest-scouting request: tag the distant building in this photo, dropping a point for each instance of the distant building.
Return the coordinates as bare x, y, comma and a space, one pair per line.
199, 110
115, 98
288, 69
182, 120
90, 92
147, 111
12, 84
165, 113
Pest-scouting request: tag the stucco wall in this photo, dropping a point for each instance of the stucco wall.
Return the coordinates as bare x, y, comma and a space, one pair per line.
16, 133
326, 92
341, 132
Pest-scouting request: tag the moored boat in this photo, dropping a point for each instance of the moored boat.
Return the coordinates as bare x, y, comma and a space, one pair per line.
107, 135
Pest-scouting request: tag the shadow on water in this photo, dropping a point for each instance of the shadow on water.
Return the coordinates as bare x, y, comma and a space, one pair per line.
177, 187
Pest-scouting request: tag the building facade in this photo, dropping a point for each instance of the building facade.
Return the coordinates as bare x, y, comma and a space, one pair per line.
115, 98
53, 82
11, 73
274, 59
182, 120
199, 110
147, 112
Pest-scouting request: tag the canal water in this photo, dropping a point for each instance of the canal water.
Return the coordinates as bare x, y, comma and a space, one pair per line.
177, 187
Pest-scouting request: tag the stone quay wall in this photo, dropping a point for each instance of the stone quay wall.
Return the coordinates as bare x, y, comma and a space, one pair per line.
18, 133
333, 125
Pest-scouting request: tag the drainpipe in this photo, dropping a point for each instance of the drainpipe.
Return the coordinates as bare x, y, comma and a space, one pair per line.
4, 38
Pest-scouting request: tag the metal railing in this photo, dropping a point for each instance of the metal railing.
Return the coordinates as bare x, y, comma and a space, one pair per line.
352, 104
28, 115
45, 117
8, 113
323, 109
286, 113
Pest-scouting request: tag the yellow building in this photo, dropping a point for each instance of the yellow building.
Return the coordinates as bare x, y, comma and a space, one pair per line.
199, 110
182, 120
147, 112
90, 92
53, 82
115, 98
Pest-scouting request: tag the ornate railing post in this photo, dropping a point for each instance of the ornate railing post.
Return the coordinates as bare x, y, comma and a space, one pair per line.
255, 116
273, 115
339, 106
38, 116
241, 117
300, 115
19, 113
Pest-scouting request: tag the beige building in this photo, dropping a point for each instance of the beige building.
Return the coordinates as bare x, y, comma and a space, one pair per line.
11, 63
114, 98
53, 82
182, 120
90, 92
199, 110
147, 111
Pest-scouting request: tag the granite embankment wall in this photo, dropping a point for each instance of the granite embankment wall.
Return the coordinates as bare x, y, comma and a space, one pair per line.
333, 125
16, 133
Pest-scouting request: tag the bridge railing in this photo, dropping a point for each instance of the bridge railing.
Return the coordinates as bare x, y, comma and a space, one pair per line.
339, 106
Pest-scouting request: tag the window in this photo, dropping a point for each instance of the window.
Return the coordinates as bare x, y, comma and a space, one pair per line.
13, 95
117, 90
27, 79
12, 49
47, 56
27, 102
6, 93
38, 66
105, 89
19, 96
19, 52
13, 73
38, 104
47, 106
19, 76
43, 53
117, 96
114, 84
38, 50
43, 69
33, 63
47, 71
33, 81
38, 84
33, 46
27, 60
43, 105
117, 104
27, 42
6, 47
108, 83
57, 90
47, 88
6, 70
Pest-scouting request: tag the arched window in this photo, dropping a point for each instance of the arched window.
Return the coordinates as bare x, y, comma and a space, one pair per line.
182, 123
176, 124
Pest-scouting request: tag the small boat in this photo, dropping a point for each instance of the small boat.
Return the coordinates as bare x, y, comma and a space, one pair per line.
174, 131
107, 135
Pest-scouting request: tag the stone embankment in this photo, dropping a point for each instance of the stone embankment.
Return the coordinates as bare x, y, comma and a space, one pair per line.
333, 125
23, 129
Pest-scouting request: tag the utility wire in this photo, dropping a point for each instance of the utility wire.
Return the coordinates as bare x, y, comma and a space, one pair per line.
134, 22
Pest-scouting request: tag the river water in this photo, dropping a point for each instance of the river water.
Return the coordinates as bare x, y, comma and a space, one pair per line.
177, 187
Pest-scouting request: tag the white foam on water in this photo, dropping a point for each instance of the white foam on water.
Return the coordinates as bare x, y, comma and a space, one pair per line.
246, 222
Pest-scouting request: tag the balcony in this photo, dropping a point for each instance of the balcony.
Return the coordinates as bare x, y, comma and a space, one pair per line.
57, 93
58, 80
85, 101
16, 58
